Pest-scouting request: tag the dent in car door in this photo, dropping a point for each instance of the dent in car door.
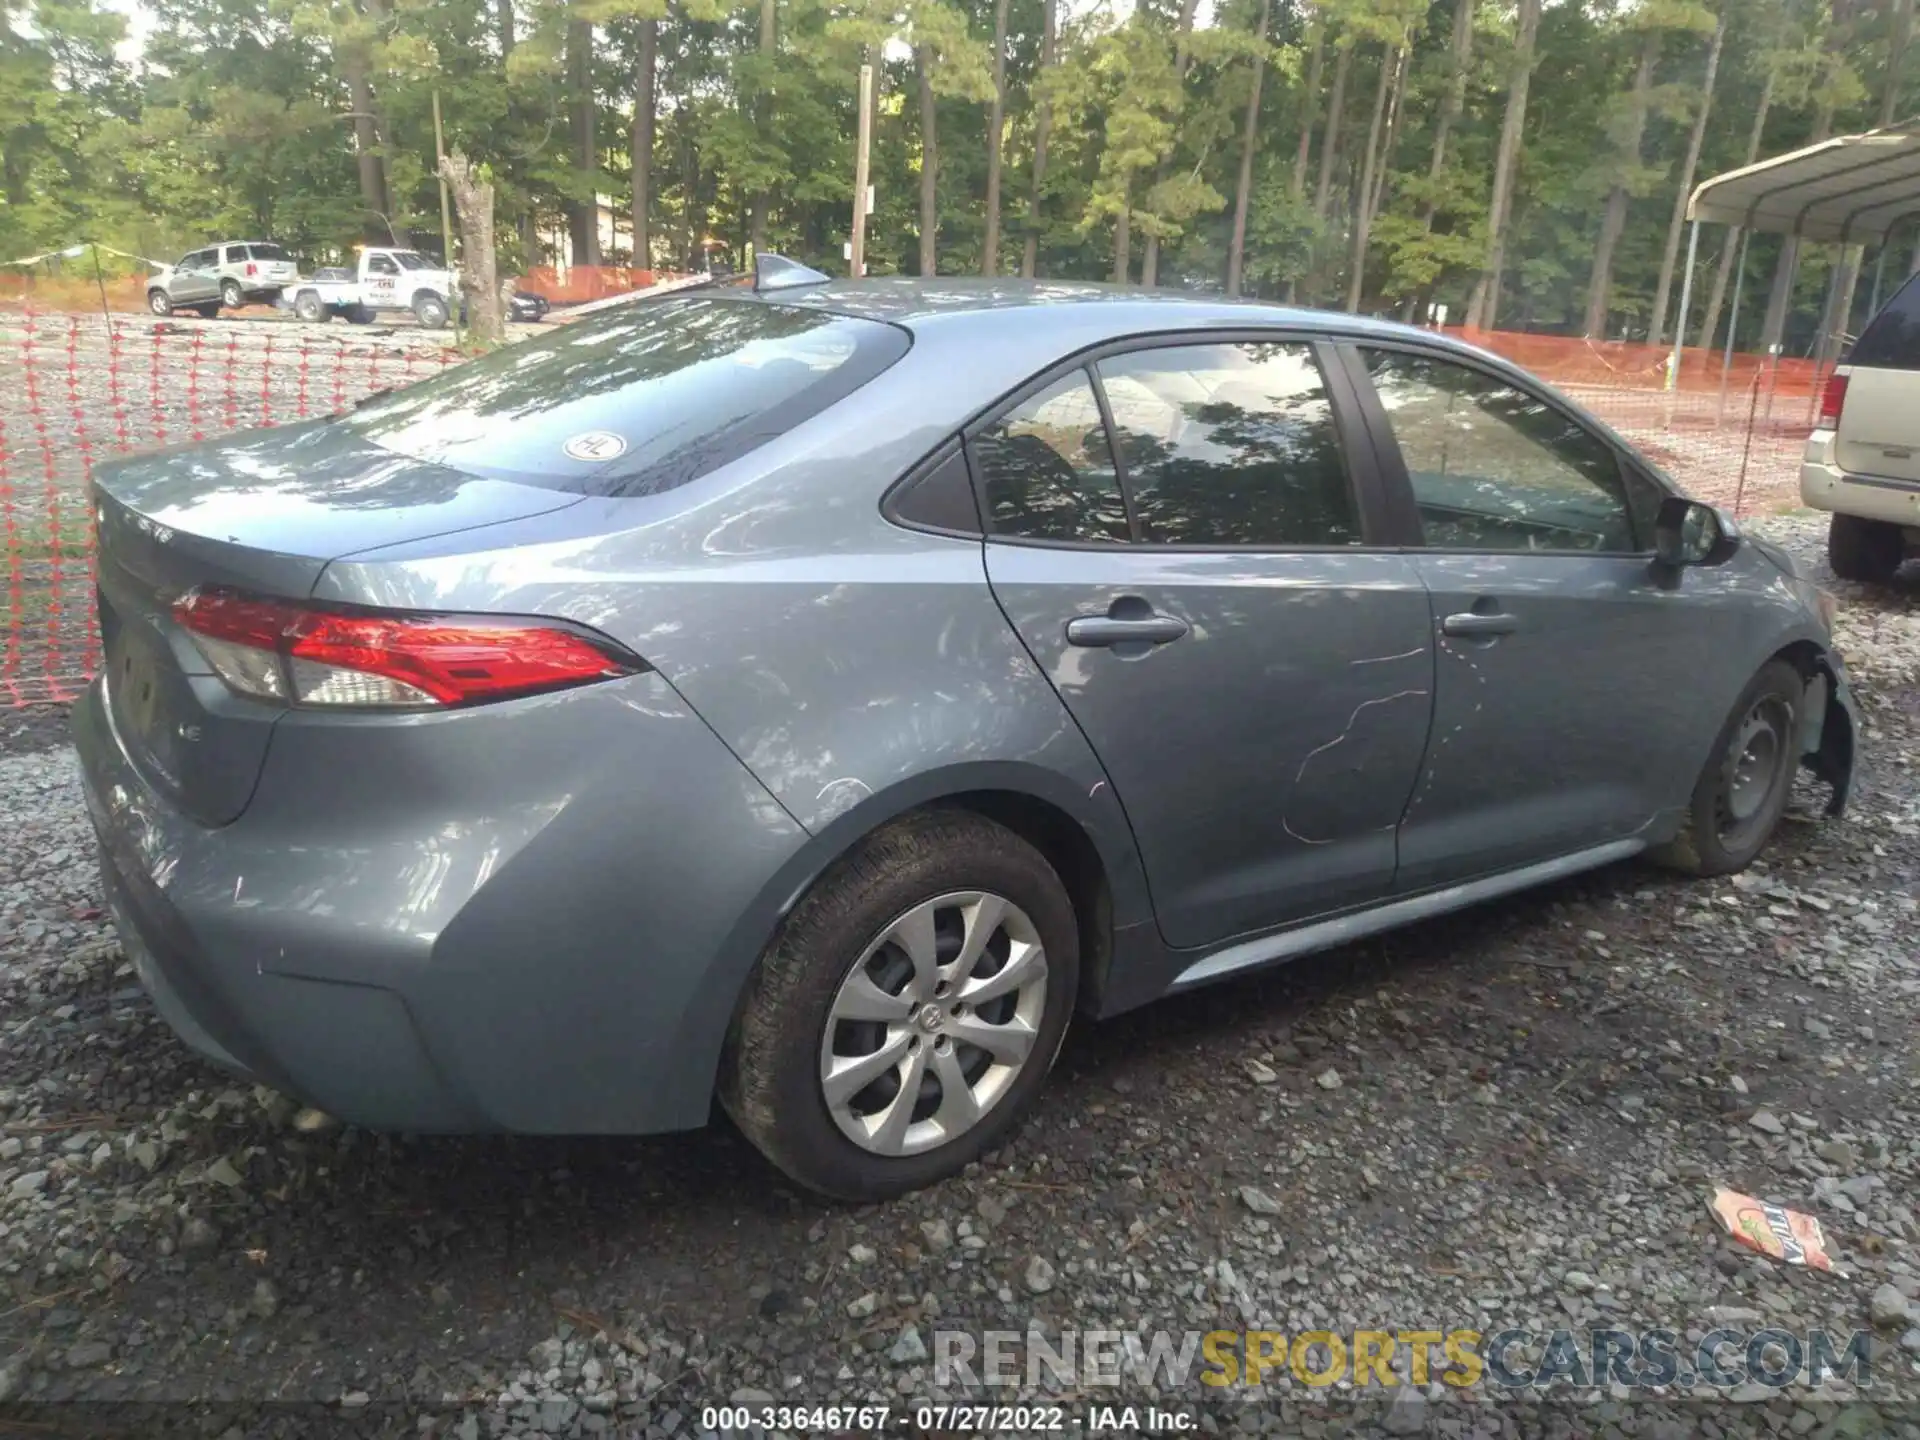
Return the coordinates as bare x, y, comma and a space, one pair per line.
1261, 711
1566, 680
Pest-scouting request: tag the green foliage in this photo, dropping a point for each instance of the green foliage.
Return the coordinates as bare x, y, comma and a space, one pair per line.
239, 117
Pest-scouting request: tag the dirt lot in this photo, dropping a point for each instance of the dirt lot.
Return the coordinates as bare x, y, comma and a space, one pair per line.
1514, 1117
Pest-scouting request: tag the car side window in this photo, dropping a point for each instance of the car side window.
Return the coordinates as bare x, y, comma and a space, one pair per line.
382, 265
1230, 444
1495, 468
1891, 340
1047, 471
194, 260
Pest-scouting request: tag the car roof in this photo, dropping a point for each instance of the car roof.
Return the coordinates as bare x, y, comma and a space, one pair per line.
920, 305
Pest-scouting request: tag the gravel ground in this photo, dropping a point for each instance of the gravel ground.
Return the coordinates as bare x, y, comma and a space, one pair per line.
1513, 1117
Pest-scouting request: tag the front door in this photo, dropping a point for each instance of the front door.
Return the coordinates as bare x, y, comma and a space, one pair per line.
193, 279
1565, 682
1176, 536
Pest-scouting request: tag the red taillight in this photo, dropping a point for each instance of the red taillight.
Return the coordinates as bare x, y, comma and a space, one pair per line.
1833, 399
252, 269
306, 655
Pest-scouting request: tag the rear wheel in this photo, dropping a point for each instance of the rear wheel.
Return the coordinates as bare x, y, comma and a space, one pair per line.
231, 295
908, 1012
159, 302
308, 307
1866, 550
1739, 797
430, 311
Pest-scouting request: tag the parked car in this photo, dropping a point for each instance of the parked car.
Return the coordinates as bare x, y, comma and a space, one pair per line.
813, 695
382, 278
1863, 459
527, 307
231, 274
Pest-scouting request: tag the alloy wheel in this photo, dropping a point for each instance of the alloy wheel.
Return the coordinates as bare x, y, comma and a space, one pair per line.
934, 1023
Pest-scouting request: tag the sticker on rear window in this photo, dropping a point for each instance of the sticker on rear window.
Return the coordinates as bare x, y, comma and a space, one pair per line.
595, 446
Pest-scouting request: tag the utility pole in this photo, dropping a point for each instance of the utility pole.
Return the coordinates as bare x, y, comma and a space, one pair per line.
446, 215
860, 187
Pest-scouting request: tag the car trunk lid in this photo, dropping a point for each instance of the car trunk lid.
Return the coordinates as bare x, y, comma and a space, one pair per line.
1879, 431
262, 512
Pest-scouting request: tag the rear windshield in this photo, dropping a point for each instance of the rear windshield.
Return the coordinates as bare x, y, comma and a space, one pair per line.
269, 252
1891, 340
636, 401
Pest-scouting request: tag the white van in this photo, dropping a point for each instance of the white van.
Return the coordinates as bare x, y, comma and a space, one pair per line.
1863, 458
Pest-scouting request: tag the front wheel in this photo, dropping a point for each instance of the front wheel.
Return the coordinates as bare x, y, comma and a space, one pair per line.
1739, 798
159, 302
906, 1016
430, 311
231, 295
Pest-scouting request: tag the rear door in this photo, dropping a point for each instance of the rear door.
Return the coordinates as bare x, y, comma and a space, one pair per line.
1879, 432
1179, 531
1567, 676
193, 279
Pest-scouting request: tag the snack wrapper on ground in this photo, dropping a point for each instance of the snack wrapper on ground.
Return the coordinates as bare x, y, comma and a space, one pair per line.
1773, 1230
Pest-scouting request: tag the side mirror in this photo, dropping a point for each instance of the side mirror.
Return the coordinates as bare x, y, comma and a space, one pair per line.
1689, 532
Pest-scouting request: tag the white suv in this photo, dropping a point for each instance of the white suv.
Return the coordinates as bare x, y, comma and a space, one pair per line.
1863, 458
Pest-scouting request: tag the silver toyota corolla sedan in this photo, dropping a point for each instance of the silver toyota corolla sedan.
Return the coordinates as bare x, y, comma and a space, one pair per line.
812, 695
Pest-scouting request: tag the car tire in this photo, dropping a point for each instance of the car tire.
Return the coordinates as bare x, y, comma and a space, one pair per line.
159, 302
939, 876
359, 315
1738, 800
231, 295
1865, 550
307, 306
430, 311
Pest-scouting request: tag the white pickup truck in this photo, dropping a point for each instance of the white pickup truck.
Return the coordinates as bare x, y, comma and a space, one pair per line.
385, 279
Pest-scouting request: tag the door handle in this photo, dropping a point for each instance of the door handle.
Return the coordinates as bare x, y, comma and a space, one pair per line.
1107, 630
1472, 623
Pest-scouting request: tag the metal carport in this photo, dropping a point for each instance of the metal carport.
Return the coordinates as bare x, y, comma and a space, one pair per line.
1850, 190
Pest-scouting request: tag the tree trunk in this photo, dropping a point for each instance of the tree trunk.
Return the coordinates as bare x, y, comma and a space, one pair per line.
763, 119
1362, 221
366, 145
1150, 256
1773, 328
1310, 113
996, 137
1678, 220
1396, 105
691, 246
583, 208
1249, 133
1711, 322
503, 25
1834, 332
479, 282
1042, 123
1455, 101
929, 164
1330, 137
1484, 305
1122, 233
643, 120
1614, 219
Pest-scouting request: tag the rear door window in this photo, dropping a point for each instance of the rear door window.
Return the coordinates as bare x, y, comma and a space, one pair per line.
1230, 444
1047, 471
1891, 340
269, 252
638, 400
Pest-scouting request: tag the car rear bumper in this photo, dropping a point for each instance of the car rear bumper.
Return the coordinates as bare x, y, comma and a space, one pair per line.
526, 917
1825, 486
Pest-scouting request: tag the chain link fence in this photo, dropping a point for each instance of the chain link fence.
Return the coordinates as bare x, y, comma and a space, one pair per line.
76, 389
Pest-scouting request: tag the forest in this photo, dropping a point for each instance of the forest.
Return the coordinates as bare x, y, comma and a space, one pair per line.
1522, 163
